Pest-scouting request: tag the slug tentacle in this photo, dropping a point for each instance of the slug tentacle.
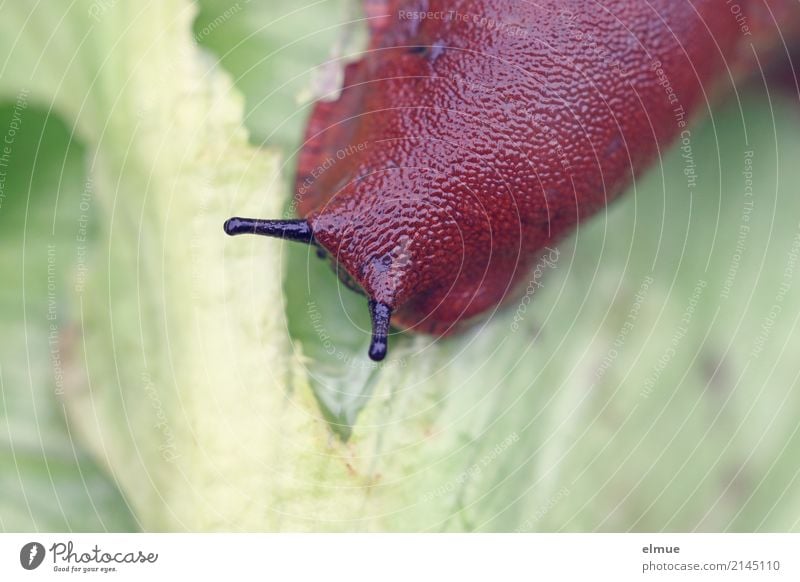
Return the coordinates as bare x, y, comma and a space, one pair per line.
294, 230
381, 318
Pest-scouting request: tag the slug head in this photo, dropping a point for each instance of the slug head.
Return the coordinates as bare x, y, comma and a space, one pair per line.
300, 231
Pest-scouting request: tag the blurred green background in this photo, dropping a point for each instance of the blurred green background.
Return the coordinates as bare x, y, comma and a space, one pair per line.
156, 376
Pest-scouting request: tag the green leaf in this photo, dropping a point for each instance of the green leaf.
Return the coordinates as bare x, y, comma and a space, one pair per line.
47, 479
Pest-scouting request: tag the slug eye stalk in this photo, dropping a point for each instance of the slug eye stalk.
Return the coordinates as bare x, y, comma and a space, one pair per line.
294, 230
381, 315
300, 231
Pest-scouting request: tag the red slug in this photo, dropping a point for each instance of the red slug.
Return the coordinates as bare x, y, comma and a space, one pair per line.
472, 134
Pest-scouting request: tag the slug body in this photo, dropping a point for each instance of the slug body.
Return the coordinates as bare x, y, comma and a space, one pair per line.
473, 134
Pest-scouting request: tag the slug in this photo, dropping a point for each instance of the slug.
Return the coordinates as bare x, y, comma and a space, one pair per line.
473, 134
